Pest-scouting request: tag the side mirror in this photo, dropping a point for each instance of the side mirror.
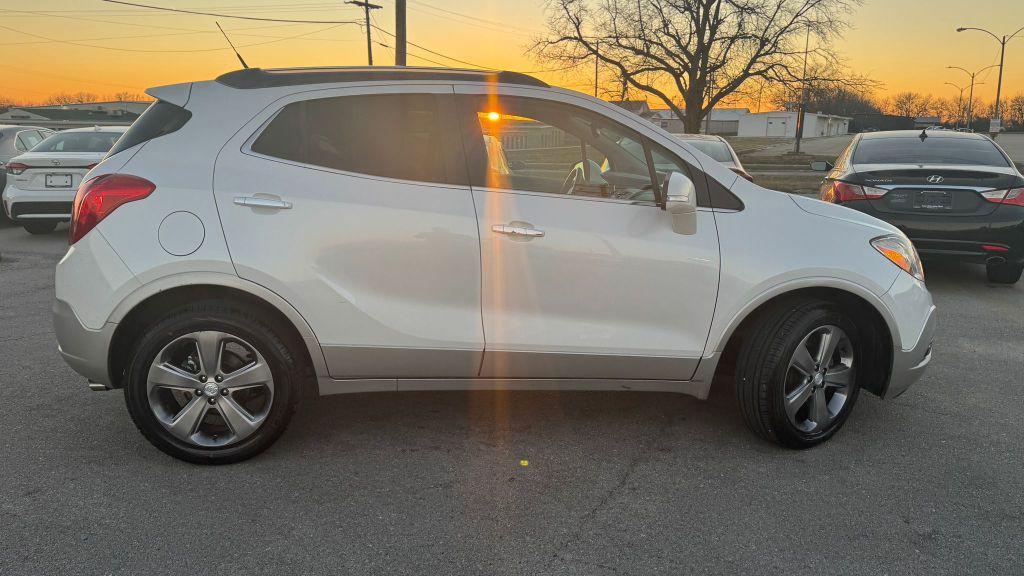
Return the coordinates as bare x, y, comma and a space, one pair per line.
681, 203
821, 166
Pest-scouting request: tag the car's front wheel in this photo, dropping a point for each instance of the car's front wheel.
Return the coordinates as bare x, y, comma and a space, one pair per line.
1005, 273
212, 384
796, 378
43, 227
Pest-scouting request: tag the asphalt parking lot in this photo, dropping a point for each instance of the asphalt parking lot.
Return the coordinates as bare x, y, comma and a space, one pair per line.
433, 483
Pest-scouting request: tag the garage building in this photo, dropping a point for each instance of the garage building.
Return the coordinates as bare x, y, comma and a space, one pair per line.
783, 124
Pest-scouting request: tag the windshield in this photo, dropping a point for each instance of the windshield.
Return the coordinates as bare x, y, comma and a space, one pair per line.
78, 142
718, 150
931, 150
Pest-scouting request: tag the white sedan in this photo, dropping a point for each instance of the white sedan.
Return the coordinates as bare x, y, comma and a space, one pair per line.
41, 183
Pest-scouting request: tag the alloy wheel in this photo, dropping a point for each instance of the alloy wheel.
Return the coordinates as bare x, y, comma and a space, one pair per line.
210, 388
819, 378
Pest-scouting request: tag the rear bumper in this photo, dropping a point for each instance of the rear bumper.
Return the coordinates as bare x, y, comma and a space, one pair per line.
38, 204
965, 238
83, 349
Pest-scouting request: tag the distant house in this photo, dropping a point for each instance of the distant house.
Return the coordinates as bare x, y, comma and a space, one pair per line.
75, 115
782, 124
927, 121
639, 107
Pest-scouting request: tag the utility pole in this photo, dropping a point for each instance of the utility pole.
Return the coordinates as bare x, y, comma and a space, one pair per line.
1002, 53
366, 6
597, 58
400, 43
803, 96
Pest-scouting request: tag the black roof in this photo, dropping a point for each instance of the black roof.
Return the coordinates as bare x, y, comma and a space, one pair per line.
259, 78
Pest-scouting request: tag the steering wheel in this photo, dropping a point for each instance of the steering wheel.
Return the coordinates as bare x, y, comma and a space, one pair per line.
575, 175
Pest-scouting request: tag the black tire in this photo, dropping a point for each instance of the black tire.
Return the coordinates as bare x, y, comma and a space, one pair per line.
43, 227
1005, 273
226, 317
764, 362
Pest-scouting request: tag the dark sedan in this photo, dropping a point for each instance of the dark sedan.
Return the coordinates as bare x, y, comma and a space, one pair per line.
955, 195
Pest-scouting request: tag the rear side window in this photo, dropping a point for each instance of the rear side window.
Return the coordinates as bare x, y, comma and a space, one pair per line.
932, 150
78, 142
390, 135
160, 119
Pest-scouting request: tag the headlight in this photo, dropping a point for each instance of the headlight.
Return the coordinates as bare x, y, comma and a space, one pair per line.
901, 252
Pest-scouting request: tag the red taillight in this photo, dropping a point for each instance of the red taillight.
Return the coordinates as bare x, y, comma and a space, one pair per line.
100, 196
16, 168
1013, 196
838, 192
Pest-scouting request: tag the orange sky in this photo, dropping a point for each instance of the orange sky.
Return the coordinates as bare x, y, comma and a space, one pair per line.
49, 46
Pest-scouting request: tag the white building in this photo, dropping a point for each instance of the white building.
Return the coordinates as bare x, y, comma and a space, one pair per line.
724, 121
783, 124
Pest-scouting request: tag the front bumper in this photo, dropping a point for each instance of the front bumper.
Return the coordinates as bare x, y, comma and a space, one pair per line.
909, 365
913, 314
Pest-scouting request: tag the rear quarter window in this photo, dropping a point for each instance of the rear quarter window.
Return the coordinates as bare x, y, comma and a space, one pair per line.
160, 119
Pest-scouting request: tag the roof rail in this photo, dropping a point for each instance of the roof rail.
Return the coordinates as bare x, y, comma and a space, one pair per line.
260, 78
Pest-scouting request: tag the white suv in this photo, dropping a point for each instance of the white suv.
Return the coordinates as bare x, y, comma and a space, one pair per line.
351, 230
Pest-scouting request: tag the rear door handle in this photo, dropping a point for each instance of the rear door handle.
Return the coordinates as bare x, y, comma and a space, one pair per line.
517, 231
260, 202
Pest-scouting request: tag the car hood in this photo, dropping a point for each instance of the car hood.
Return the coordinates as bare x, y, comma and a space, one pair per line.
829, 210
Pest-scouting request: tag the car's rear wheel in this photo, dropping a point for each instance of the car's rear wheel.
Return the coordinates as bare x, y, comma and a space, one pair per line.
44, 227
210, 383
796, 378
1005, 273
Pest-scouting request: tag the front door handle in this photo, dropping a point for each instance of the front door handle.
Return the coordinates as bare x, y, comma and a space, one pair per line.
260, 202
521, 231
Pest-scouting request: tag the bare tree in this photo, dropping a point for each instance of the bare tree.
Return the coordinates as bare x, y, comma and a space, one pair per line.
702, 50
67, 98
909, 104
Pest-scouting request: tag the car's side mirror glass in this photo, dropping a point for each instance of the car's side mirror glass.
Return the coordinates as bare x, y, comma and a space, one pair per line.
821, 166
681, 203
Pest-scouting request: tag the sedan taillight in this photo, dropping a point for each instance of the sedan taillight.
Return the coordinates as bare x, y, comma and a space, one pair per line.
16, 168
1013, 196
100, 196
838, 192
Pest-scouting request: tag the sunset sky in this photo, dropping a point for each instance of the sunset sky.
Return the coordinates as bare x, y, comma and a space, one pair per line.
49, 46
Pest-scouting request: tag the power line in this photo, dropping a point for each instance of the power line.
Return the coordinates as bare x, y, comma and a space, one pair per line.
237, 17
234, 31
140, 50
434, 52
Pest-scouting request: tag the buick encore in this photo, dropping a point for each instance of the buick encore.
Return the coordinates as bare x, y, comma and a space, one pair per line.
342, 230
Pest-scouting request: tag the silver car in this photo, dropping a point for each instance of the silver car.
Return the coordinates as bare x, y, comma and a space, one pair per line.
348, 230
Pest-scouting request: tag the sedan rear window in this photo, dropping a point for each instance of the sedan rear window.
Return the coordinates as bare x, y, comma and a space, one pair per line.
78, 142
718, 150
934, 150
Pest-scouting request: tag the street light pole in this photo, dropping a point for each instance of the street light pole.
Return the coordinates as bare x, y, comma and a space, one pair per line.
1002, 54
959, 104
970, 99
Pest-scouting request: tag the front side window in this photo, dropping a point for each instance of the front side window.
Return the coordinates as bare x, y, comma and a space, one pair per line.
535, 145
390, 135
92, 141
